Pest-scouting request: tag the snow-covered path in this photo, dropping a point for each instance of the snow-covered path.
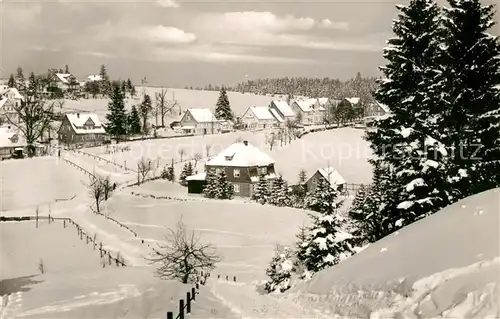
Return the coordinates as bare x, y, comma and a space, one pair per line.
245, 302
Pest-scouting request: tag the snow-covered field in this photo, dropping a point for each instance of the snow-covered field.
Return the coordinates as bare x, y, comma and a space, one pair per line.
185, 99
236, 229
27, 183
23, 246
344, 149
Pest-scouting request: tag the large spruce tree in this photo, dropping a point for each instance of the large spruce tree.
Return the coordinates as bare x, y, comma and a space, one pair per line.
223, 108
117, 117
470, 84
406, 143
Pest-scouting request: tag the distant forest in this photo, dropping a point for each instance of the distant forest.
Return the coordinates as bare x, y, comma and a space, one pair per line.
359, 86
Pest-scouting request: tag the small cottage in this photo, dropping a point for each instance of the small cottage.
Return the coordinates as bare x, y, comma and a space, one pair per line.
258, 117
243, 164
199, 122
328, 174
82, 130
282, 109
10, 143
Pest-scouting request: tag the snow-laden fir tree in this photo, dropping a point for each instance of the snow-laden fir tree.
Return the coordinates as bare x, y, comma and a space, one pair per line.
145, 110
276, 190
117, 117
211, 184
224, 189
407, 142
301, 245
223, 108
134, 121
470, 83
280, 270
326, 243
171, 173
11, 82
262, 190
187, 170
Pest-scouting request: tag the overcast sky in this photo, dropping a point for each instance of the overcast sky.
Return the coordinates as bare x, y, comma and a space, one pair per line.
178, 43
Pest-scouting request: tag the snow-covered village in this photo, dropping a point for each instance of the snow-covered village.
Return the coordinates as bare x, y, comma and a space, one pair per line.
179, 159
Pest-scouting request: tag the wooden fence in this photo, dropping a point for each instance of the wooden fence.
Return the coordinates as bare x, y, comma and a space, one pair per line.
79, 167
114, 220
99, 158
185, 304
118, 260
351, 189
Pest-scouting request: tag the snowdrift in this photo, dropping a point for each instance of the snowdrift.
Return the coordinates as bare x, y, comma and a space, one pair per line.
444, 265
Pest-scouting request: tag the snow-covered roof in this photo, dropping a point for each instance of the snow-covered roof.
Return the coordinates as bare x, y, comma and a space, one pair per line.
63, 77
197, 177
2, 102
13, 91
353, 100
284, 108
10, 138
202, 115
276, 115
332, 176
78, 120
241, 155
261, 112
94, 77
306, 105
322, 101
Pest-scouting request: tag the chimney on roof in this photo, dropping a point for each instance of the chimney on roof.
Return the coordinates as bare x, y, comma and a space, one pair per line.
245, 142
78, 115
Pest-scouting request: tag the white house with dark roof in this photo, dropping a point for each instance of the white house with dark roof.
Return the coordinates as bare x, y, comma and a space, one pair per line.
328, 174
283, 110
82, 129
199, 122
65, 81
258, 117
243, 163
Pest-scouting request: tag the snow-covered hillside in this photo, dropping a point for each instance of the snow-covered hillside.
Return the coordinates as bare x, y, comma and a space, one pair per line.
444, 265
185, 99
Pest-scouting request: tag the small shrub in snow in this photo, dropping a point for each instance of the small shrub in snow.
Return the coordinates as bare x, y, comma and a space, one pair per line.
280, 270
41, 266
186, 171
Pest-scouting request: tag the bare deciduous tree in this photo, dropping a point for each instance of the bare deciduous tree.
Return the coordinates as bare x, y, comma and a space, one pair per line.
96, 191
182, 152
107, 187
271, 140
183, 257
208, 147
33, 115
163, 106
143, 169
196, 158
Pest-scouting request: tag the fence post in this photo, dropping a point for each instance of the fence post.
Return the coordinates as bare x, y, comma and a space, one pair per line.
197, 286
64, 223
188, 303
170, 315
227, 277
193, 292
181, 309
234, 278
87, 240
100, 248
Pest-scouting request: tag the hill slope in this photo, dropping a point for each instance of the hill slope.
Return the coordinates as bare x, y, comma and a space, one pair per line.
444, 265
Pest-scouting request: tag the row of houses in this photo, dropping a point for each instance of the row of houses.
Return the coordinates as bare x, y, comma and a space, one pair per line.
243, 164
302, 111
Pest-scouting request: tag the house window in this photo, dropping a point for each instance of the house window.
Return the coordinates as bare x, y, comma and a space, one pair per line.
236, 188
263, 170
236, 173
